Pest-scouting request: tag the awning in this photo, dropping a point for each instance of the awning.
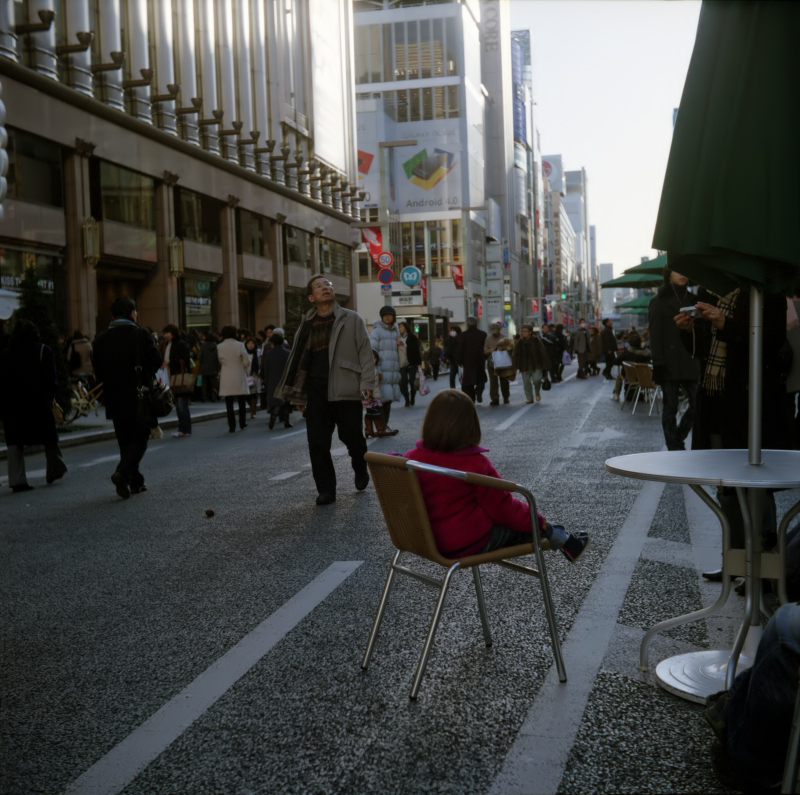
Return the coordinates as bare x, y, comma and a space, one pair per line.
635, 280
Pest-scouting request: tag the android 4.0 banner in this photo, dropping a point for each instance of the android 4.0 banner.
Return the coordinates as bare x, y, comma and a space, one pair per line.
429, 174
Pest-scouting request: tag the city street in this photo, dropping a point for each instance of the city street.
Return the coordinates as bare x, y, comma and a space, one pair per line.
149, 648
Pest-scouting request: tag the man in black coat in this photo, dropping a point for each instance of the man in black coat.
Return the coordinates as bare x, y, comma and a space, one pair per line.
470, 356
673, 365
450, 345
117, 354
609, 343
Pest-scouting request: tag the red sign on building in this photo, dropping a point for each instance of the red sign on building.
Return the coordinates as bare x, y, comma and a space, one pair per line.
458, 276
534, 306
373, 238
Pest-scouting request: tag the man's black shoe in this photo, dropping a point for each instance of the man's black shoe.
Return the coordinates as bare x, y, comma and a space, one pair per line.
122, 487
326, 498
23, 487
138, 489
494, 403
362, 480
713, 576
271, 421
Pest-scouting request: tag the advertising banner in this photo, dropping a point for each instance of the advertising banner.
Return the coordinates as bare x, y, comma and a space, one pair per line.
373, 238
458, 276
518, 87
369, 175
327, 29
534, 306
554, 170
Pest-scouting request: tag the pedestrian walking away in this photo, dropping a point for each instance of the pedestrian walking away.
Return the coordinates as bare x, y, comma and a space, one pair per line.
609, 346
434, 357
385, 341
531, 360
582, 344
450, 346
674, 369
234, 366
178, 359
209, 368
496, 341
595, 351
329, 372
273, 363
408, 372
471, 358
26, 404
118, 352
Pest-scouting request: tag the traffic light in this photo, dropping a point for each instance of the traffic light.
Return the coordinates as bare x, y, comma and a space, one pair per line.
3, 152
563, 296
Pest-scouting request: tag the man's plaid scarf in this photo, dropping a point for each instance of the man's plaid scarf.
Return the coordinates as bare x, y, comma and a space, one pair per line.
714, 378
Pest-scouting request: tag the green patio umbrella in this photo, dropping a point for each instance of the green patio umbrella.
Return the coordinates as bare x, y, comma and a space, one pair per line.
634, 280
634, 311
652, 266
640, 302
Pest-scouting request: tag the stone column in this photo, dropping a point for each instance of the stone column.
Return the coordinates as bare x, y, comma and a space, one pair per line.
81, 277
227, 287
8, 36
270, 304
158, 301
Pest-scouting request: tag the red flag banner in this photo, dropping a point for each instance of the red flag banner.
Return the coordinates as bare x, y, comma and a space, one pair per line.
373, 238
458, 276
424, 284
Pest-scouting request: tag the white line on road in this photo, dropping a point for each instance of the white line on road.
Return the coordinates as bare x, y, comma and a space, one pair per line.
537, 760
514, 417
124, 762
285, 476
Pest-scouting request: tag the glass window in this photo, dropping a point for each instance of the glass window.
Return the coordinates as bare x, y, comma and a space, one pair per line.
388, 66
451, 43
34, 169
412, 39
438, 48
127, 196
296, 246
197, 218
362, 53
402, 106
427, 104
375, 53
426, 66
252, 234
414, 110
363, 266
334, 257
400, 50
439, 109
452, 102
419, 245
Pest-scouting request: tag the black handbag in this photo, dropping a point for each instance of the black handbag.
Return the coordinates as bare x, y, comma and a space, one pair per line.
546, 384
153, 401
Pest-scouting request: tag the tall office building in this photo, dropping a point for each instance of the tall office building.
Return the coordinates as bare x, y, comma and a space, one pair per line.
418, 80
195, 155
577, 207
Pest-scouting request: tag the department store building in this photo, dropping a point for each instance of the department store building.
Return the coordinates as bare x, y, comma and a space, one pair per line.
196, 155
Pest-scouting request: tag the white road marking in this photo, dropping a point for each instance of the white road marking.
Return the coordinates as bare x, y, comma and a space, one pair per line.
285, 476
536, 761
514, 417
124, 762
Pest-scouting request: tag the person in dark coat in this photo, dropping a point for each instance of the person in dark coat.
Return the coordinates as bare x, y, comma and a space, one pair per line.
609, 343
408, 374
531, 360
470, 356
450, 345
26, 404
273, 363
721, 406
673, 366
117, 353
209, 368
434, 357
177, 357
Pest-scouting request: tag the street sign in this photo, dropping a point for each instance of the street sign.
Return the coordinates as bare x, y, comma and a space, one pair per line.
385, 259
410, 275
534, 306
385, 276
386, 289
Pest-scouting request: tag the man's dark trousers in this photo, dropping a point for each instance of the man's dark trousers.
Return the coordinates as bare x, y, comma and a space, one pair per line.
474, 391
453, 374
322, 416
132, 439
611, 359
674, 434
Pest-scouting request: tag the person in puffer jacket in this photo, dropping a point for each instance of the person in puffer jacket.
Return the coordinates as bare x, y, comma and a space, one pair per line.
385, 340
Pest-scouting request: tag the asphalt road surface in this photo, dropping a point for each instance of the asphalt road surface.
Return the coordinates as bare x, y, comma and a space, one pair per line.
148, 648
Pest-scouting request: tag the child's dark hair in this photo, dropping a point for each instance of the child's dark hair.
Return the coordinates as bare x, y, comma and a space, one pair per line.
451, 422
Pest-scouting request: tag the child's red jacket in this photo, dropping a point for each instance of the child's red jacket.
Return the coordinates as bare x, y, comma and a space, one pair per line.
462, 515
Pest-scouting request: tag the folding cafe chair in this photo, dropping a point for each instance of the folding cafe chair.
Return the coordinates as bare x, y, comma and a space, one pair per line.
644, 373
631, 382
406, 518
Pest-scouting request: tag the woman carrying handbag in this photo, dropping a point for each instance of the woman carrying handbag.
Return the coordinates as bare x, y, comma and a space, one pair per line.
176, 357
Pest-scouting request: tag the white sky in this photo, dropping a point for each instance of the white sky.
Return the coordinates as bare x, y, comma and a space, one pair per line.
606, 77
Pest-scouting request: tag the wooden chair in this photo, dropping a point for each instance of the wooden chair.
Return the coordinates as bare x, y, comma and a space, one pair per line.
644, 373
632, 380
406, 518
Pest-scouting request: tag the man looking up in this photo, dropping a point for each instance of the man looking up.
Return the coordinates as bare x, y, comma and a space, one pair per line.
329, 369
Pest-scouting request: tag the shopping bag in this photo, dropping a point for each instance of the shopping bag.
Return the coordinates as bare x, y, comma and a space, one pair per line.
424, 389
162, 377
566, 358
501, 359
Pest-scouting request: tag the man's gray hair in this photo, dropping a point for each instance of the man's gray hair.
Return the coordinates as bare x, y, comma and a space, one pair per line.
472, 321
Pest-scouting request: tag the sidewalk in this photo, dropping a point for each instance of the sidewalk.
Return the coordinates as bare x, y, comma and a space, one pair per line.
97, 428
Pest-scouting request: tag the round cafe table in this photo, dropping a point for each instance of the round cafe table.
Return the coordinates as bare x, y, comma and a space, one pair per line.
696, 675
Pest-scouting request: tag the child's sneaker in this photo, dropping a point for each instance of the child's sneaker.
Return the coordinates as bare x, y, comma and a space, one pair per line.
575, 546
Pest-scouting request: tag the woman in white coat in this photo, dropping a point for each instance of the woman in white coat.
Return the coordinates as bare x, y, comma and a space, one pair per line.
385, 339
235, 365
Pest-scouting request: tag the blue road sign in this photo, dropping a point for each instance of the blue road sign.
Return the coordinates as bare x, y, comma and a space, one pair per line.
410, 276
385, 276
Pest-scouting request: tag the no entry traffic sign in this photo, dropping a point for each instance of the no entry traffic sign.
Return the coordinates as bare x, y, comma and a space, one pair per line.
385, 276
385, 259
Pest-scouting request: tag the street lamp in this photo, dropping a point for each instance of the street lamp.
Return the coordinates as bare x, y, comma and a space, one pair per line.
429, 275
465, 211
91, 242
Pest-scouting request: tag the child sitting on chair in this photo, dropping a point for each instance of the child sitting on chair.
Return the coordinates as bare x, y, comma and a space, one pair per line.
467, 519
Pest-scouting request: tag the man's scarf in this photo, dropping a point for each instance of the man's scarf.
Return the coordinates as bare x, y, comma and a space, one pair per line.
294, 387
714, 378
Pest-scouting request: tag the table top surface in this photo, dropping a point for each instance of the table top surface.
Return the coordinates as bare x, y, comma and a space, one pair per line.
780, 469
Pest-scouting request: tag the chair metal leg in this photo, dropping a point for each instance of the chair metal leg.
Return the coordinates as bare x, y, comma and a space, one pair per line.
626, 390
487, 635
376, 624
636, 399
551, 614
437, 614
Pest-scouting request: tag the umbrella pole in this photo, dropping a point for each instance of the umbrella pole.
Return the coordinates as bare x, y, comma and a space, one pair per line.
756, 360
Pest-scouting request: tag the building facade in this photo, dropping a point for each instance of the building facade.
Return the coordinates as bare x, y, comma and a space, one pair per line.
418, 81
195, 155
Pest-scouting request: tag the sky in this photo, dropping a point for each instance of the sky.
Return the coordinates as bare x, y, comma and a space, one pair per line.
607, 75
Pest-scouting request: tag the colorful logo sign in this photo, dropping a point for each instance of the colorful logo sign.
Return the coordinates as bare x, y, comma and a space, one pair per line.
427, 171
364, 161
410, 276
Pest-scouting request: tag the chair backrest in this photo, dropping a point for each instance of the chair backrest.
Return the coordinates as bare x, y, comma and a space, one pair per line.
631, 375
403, 506
644, 373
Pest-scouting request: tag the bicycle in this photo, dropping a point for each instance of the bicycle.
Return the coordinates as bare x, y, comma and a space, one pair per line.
83, 400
